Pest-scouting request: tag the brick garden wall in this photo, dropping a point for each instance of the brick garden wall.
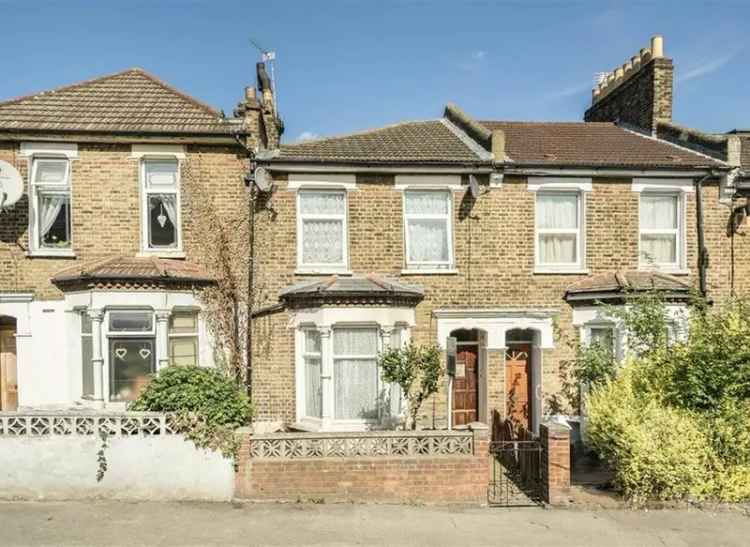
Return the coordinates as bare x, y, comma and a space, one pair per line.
431, 477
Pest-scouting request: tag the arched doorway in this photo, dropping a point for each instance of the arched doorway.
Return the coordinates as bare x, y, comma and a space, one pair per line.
8, 371
522, 378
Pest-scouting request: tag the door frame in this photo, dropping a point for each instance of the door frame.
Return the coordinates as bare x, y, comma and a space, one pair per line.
13, 329
535, 377
482, 376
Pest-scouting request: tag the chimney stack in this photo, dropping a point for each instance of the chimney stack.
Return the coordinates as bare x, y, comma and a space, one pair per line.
637, 93
261, 122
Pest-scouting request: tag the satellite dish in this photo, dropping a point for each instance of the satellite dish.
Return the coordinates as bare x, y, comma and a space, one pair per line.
473, 186
263, 179
11, 185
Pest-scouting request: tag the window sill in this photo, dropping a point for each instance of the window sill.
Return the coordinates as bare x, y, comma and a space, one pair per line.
438, 271
51, 253
323, 272
541, 270
178, 255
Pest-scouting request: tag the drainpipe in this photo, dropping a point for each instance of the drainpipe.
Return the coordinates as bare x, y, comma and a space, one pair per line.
702, 251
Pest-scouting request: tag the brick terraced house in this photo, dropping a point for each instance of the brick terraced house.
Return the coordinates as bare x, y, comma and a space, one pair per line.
506, 235
100, 262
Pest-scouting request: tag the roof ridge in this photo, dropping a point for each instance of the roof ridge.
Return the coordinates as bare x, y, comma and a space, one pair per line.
200, 104
361, 132
138, 70
537, 122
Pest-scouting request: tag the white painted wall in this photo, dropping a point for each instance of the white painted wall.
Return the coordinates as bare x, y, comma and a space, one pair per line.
164, 467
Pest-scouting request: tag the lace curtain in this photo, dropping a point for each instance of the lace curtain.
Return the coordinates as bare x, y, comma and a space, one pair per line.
49, 209
428, 237
557, 212
322, 238
355, 374
313, 391
659, 213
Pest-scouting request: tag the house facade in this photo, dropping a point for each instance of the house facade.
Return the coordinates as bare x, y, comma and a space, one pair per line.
102, 260
504, 235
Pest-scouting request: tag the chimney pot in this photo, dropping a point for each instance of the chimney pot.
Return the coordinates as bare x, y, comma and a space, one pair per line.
249, 93
657, 46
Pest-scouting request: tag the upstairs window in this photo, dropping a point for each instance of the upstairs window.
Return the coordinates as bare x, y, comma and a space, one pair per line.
559, 231
428, 230
660, 233
321, 230
50, 188
161, 207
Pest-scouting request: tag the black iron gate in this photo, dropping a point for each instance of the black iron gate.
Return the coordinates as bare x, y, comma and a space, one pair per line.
516, 467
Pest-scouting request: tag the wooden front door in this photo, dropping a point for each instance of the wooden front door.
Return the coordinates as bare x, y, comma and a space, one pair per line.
465, 386
8, 377
518, 384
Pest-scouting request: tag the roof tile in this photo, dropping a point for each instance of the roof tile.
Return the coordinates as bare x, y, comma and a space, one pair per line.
129, 101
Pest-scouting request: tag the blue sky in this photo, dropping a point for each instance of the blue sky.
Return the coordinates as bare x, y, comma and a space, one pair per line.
349, 65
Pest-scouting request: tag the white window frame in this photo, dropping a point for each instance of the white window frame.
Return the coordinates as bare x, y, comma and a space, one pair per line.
110, 334
327, 359
434, 267
679, 266
341, 267
146, 192
579, 266
36, 190
194, 334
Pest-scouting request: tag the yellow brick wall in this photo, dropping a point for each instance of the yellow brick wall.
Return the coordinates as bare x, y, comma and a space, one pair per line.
494, 254
106, 209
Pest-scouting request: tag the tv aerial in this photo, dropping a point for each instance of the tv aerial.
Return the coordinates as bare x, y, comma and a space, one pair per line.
11, 185
270, 56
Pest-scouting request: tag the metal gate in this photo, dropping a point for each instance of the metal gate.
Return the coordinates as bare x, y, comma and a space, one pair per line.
516, 466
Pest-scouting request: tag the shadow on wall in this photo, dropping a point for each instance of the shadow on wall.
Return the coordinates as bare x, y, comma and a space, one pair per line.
14, 222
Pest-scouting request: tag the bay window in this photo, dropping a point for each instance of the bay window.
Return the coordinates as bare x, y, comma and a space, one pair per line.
132, 356
322, 230
50, 201
183, 339
428, 230
161, 204
559, 230
340, 383
660, 230
355, 373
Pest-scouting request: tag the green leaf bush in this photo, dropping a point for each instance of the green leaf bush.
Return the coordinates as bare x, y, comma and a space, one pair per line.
674, 420
208, 406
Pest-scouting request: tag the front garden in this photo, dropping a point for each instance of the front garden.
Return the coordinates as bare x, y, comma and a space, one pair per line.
673, 419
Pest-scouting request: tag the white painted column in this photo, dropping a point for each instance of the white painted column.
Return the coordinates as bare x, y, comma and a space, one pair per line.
162, 339
383, 389
97, 359
326, 375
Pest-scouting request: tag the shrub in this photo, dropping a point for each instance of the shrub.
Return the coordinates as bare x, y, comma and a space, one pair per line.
203, 391
416, 369
207, 405
657, 452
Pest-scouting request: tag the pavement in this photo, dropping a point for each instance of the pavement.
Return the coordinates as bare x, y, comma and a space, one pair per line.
225, 524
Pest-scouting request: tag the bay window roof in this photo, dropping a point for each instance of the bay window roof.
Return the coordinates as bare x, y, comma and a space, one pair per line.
621, 284
369, 289
133, 271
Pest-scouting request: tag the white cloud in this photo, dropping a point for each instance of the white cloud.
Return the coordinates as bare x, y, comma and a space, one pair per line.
306, 136
708, 67
474, 61
569, 91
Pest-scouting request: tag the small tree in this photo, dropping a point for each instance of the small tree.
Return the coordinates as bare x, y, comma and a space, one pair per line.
416, 369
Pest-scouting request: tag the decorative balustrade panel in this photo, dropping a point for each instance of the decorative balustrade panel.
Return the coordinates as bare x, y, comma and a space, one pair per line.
126, 424
366, 444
